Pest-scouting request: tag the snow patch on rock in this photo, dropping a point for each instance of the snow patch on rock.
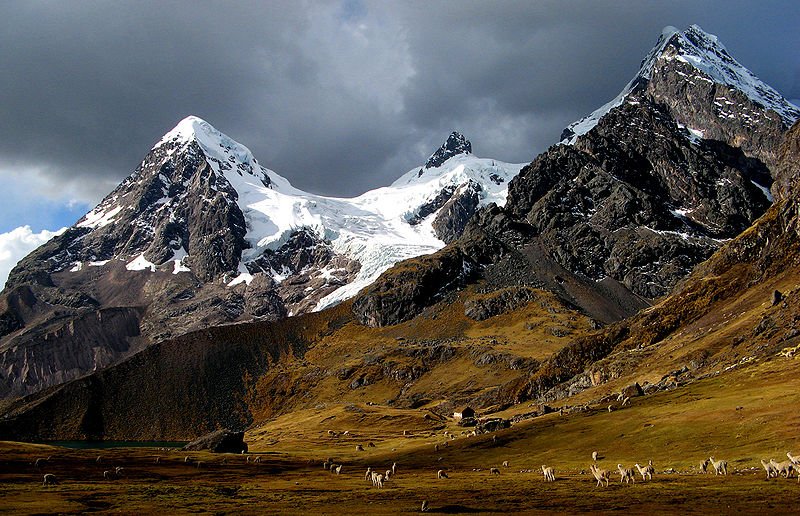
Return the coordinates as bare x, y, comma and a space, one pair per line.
177, 259
99, 217
140, 263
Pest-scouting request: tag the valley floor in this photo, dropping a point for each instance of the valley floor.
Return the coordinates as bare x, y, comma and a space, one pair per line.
732, 416
278, 487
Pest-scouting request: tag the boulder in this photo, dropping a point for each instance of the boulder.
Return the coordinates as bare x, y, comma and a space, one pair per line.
449, 224
492, 425
498, 302
650, 388
219, 441
632, 390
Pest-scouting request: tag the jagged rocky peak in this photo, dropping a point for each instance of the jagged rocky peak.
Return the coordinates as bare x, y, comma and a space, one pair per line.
706, 53
705, 88
179, 205
692, 108
456, 144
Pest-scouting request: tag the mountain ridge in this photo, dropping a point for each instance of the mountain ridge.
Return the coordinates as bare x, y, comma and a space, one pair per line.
606, 224
649, 186
271, 367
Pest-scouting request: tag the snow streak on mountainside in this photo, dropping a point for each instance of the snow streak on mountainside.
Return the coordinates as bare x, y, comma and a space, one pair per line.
708, 56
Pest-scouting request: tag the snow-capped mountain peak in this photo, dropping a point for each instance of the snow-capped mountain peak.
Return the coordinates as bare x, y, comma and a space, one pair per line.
218, 147
706, 52
445, 167
380, 227
200, 203
187, 129
711, 62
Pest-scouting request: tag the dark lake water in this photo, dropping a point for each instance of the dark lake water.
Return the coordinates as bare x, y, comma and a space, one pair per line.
99, 445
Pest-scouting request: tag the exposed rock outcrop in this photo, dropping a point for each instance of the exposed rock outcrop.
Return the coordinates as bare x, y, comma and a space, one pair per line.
636, 200
410, 286
452, 218
765, 251
500, 301
740, 112
171, 204
219, 441
787, 174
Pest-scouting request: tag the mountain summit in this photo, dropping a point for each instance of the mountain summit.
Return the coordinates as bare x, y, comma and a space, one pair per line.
693, 69
216, 146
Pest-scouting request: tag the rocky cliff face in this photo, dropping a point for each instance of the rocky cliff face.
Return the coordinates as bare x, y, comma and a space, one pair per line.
730, 295
300, 259
91, 341
172, 390
452, 218
704, 88
499, 251
640, 191
637, 200
173, 204
788, 170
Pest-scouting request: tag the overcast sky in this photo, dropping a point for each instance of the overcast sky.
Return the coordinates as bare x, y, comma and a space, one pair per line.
339, 97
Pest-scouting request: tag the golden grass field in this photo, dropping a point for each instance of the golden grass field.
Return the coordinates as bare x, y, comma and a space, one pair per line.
740, 416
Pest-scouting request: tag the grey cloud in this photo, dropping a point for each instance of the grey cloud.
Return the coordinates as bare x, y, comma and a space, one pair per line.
339, 97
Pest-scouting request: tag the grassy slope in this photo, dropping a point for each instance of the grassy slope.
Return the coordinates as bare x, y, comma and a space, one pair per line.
742, 414
524, 334
248, 373
675, 429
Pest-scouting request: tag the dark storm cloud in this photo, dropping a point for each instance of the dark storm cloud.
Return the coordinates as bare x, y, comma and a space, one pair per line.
554, 62
338, 97
89, 88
